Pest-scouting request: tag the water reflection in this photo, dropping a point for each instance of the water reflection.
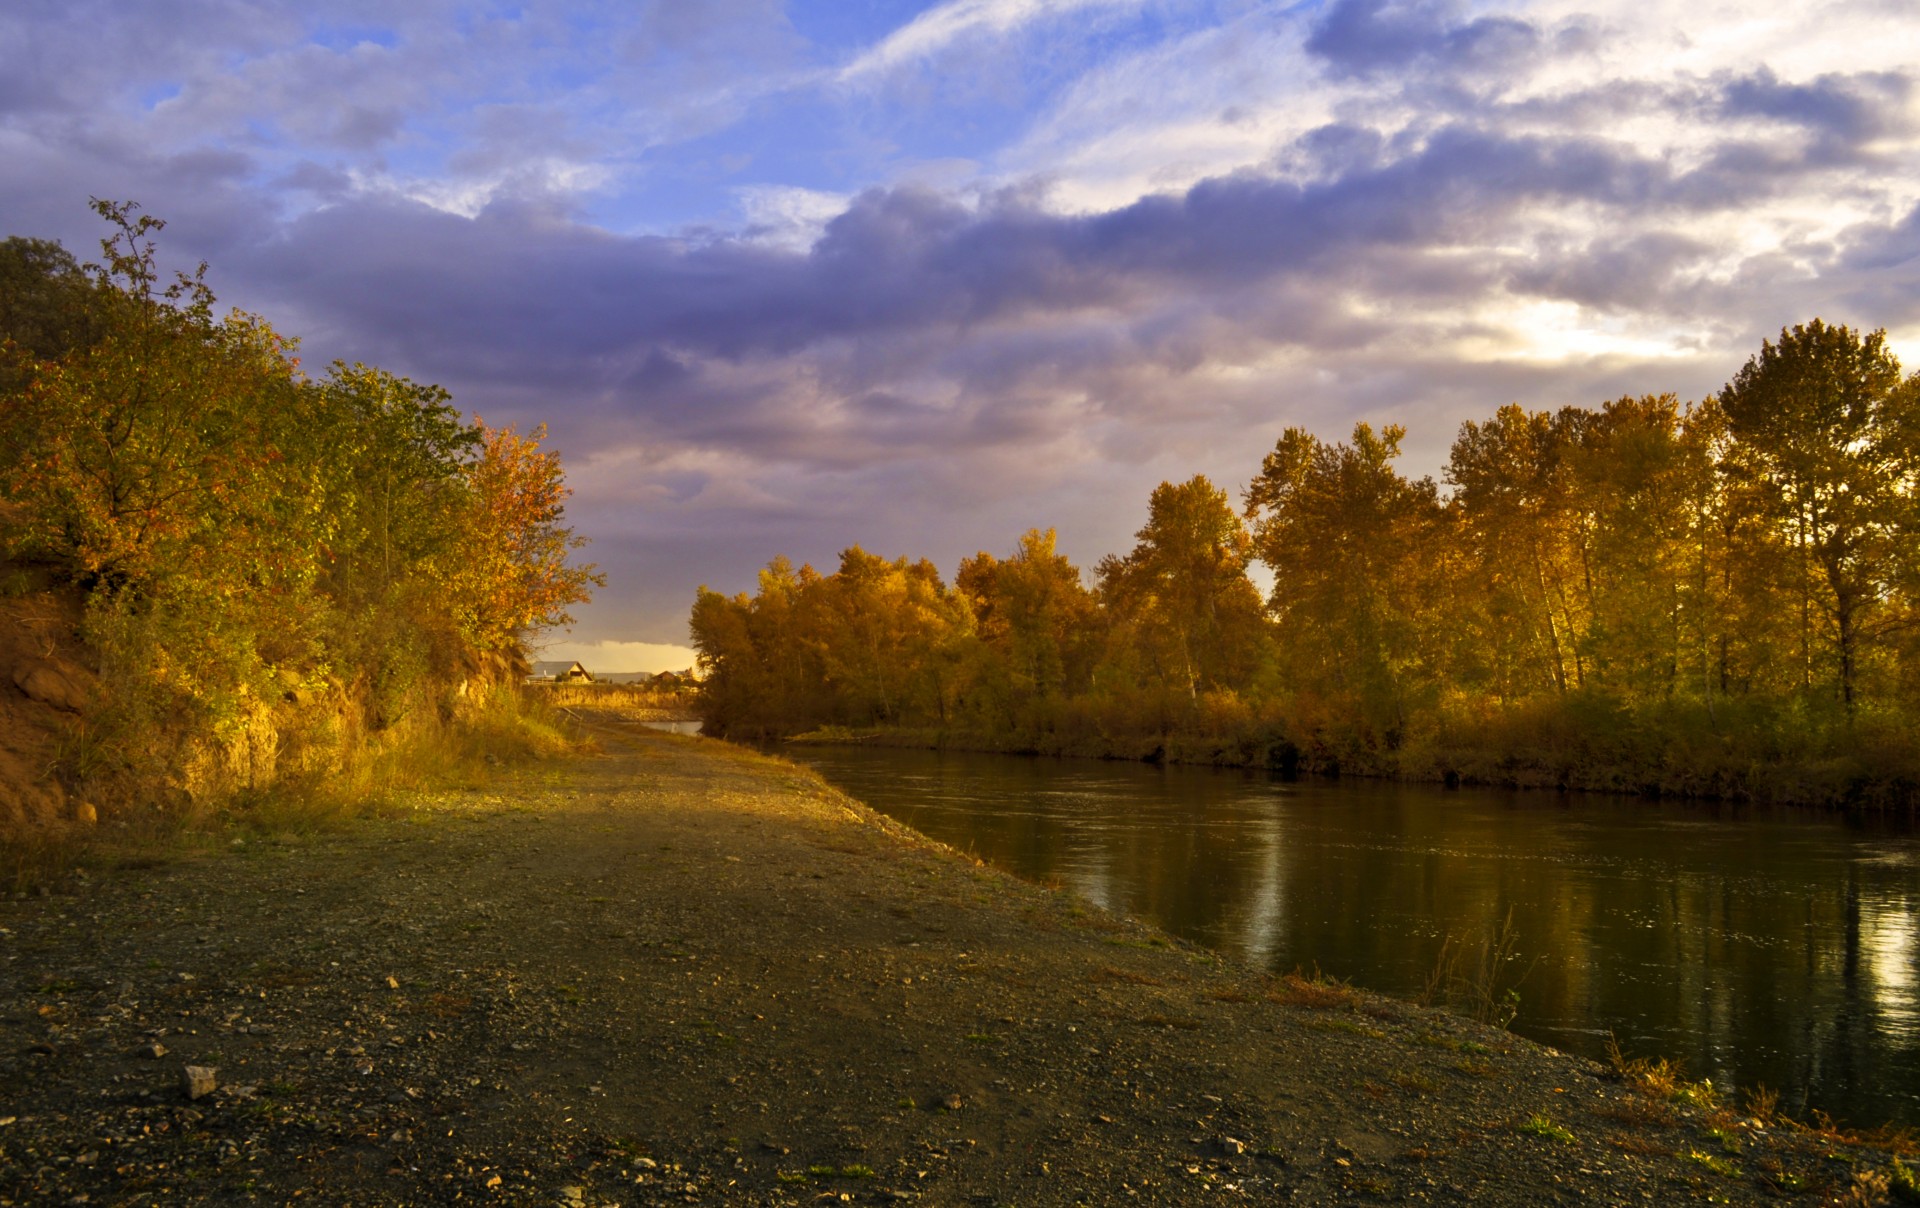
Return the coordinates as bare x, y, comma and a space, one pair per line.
1761, 947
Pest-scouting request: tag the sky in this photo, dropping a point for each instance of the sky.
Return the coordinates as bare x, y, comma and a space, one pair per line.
783, 277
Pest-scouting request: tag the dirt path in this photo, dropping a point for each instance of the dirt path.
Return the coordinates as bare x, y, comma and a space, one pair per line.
682, 973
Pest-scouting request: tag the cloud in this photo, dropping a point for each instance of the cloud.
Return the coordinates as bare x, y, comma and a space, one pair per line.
1229, 221
1368, 37
944, 25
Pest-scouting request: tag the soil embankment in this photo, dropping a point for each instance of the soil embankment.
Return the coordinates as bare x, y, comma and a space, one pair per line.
685, 973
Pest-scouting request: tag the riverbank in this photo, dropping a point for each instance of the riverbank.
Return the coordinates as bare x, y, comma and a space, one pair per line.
685, 973
1673, 765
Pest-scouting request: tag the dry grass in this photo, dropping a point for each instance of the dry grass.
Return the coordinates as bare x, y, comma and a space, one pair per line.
1481, 980
1113, 973
1318, 992
499, 730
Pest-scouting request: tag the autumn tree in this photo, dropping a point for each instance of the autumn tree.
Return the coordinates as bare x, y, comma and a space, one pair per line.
1357, 554
1822, 441
1180, 602
1037, 624
511, 573
1525, 541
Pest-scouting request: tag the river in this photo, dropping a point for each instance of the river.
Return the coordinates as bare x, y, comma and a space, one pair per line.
1761, 947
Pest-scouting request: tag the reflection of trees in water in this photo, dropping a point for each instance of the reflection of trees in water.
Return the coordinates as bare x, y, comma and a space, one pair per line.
1759, 949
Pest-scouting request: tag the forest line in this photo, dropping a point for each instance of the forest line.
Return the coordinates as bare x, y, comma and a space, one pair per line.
1717, 598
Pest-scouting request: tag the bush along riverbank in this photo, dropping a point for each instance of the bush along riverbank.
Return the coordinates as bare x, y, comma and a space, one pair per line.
681, 972
1707, 599
1662, 757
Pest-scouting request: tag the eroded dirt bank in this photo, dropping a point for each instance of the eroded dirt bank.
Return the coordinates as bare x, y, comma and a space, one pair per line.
683, 973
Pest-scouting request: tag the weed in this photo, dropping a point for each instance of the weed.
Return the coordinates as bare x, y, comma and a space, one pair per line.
1318, 992
1476, 1069
1538, 1125
1903, 1183
1480, 981
1644, 1147
1415, 1082
856, 1171
1763, 1103
1724, 1167
1658, 1078
790, 1176
1639, 1111
1339, 1024
1778, 1176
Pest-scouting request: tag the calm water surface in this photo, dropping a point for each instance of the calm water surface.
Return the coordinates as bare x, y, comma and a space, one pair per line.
1774, 947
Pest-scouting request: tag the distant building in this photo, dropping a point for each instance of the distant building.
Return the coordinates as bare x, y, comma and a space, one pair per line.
559, 673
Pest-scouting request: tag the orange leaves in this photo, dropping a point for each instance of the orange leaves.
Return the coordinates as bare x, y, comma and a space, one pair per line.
513, 573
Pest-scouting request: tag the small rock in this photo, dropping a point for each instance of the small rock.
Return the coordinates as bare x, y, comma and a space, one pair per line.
393, 983
952, 1103
574, 1197
85, 814
650, 1164
1232, 1147
198, 1080
153, 1052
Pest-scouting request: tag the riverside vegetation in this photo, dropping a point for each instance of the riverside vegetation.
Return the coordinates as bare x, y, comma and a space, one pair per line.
1713, 599
225, 584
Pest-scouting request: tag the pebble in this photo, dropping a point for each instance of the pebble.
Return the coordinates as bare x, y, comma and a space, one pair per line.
153, 1052
197, 1080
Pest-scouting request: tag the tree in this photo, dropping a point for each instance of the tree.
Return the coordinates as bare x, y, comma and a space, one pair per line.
1036, 621
47, 301
1182, 594
512, 573
1525, 540
1821, 434
1642, 489
1356, 551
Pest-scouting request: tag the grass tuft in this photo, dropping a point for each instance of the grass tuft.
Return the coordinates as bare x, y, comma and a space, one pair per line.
1539, 1125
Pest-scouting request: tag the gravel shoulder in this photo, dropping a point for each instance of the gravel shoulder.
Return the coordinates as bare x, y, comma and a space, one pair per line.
680, 972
